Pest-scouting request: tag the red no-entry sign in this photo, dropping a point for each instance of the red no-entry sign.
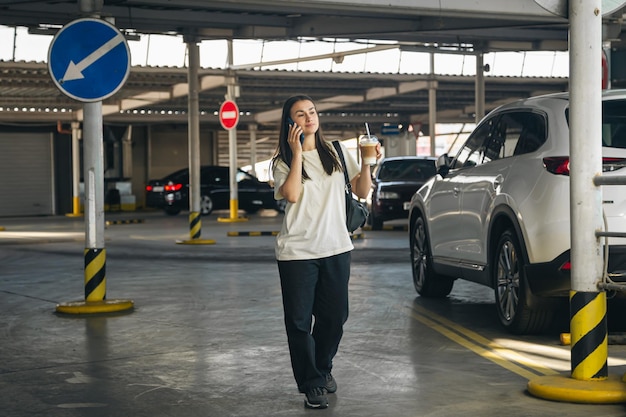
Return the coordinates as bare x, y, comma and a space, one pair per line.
229, 114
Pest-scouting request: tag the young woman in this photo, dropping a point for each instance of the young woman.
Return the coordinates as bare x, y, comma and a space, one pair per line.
313, 247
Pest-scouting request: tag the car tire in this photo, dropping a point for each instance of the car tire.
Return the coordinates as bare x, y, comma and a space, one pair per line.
426, 281
206, 205
519, 311
172, 210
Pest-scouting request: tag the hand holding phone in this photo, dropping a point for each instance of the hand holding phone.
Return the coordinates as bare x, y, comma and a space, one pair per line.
290, 123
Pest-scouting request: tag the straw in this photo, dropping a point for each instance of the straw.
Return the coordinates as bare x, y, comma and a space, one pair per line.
367, 127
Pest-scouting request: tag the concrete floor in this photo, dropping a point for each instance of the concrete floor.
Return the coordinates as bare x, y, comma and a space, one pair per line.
206, 336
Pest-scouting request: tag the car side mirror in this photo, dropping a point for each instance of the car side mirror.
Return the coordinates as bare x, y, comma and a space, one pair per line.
443, 164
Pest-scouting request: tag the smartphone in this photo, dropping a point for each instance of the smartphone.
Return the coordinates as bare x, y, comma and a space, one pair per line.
290, 122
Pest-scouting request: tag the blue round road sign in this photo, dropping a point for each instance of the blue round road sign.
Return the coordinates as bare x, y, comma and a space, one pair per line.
89, 59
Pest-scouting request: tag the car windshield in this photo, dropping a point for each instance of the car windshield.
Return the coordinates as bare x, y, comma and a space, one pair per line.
403, 170
241, 176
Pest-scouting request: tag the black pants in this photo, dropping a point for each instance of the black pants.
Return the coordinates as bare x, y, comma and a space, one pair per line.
314, 288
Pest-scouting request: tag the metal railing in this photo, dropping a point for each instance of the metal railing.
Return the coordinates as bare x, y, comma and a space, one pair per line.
607, 282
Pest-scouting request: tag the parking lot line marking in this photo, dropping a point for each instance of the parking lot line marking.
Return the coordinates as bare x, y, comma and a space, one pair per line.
481, 345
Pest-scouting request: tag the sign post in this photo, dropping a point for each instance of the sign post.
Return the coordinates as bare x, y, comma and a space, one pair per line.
89, 61
229, 117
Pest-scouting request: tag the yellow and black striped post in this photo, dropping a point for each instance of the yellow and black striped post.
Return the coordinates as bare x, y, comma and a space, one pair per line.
589, 380
195, 225
195, 231
95, 289
589, 335
95, 274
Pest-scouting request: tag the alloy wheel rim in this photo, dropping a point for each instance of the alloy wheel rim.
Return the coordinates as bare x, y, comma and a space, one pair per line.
419, 255
206, 205
508, 281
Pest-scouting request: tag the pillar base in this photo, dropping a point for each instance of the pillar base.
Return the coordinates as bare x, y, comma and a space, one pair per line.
74, 215
195, 242
94, 307
566, 389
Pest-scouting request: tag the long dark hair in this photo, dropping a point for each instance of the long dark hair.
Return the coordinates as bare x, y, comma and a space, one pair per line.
330, 162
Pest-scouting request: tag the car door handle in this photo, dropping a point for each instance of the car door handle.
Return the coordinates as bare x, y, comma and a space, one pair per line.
456, 191
497, 182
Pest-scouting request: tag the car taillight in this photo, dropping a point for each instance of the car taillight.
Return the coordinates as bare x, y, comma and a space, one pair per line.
566, 267
173, 187
613, 164
559, 165
148, 188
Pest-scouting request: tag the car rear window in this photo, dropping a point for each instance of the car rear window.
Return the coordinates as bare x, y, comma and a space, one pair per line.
614, 124
407, 170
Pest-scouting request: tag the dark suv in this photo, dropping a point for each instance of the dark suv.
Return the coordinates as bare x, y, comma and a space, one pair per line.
171, 193
394, 181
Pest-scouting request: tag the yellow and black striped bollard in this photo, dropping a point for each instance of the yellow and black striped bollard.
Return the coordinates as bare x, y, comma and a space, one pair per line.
95, 274
589, 335
195, 231
195, 225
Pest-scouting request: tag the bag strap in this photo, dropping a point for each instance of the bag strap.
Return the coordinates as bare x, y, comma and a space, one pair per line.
337, 146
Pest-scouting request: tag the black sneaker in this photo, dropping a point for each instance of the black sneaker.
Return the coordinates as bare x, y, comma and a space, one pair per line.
316, 398
331, 384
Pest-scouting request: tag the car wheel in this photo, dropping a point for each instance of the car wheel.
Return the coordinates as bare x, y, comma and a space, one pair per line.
427, 283
206, 205
172, 210
520, 312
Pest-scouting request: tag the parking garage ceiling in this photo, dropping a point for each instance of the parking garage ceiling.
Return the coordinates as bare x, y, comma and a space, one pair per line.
150, 95
487, 24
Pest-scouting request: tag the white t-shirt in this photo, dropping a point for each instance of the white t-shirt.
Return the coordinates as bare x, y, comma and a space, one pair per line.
315, 226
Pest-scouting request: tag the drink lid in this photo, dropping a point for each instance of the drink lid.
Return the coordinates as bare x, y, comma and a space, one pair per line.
368, 139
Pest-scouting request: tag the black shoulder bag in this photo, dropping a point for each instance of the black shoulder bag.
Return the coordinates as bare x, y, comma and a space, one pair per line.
356, 212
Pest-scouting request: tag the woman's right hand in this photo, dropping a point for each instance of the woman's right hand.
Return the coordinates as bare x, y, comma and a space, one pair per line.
293, 138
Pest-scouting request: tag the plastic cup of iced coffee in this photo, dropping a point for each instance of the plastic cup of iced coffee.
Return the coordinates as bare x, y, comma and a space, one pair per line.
368, 149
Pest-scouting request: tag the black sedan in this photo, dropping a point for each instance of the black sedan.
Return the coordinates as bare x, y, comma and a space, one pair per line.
394, 181
171, 193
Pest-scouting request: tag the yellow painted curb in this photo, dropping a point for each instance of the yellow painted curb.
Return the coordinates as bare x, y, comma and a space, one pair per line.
232, 220
94, 307
566, 389
195, 242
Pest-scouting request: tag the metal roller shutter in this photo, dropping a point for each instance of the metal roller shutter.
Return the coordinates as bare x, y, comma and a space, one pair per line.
26, 167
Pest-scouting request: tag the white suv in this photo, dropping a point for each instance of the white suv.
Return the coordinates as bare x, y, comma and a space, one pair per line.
498, 212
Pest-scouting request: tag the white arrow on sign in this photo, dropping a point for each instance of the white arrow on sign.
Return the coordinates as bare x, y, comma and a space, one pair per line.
75, 71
